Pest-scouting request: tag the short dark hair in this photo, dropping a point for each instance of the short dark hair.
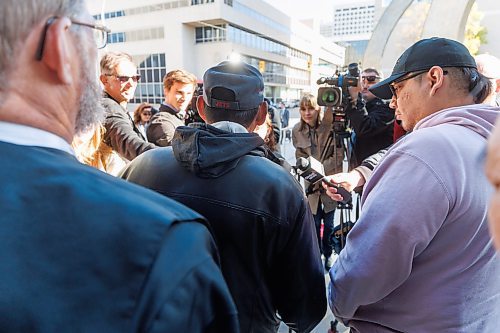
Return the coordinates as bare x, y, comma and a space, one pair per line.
373, 70
243, 118
468, 80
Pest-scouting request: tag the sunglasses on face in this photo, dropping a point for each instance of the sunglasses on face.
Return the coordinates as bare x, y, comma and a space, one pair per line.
124, 78
147, 113
370, 78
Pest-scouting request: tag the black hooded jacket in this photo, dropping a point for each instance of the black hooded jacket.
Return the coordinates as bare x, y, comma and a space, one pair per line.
261, 222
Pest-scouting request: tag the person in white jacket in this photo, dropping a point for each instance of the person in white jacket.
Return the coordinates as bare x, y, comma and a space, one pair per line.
420, 258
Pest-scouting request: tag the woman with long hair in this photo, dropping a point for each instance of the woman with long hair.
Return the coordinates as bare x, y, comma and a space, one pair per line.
310, 137
142, 117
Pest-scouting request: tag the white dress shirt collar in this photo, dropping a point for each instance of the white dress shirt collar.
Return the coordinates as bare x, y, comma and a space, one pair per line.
30, 136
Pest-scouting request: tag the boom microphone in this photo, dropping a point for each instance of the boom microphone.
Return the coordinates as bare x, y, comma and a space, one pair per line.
312, 175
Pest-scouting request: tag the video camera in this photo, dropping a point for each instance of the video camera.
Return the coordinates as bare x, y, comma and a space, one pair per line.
338, 86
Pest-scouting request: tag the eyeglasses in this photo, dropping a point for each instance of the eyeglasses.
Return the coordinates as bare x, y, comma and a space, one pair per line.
370, 78
124, 78
146, 113
100, 34
393, 89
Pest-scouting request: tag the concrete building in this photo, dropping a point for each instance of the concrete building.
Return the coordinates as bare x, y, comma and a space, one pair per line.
420, 19
197, 34
352, 26
353, 21
406, 21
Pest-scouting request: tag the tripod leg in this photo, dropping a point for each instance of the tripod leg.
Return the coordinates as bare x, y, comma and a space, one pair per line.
342, 228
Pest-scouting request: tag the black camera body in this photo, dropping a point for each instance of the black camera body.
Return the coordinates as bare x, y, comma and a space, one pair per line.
336, 90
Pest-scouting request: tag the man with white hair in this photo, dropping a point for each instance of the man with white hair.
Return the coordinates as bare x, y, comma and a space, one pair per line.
119, 78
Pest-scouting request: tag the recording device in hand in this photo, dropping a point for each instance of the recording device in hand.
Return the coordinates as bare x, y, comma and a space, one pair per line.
312, 170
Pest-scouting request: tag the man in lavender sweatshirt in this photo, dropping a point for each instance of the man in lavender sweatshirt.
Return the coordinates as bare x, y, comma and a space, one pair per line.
420, 258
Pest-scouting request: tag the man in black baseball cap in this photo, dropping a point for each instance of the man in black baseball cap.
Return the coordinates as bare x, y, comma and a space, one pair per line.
262, 223
446, 63
423, 55
419, 258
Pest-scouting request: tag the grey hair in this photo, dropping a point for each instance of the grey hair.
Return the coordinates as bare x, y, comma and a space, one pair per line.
18, 20
110, 60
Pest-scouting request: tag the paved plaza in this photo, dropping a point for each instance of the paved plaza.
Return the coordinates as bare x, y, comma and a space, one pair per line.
288, 151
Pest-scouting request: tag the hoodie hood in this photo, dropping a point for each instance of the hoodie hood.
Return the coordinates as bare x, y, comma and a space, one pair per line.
478, 117
210, 152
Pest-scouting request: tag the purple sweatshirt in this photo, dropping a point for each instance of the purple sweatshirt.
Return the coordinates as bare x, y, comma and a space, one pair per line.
420, 258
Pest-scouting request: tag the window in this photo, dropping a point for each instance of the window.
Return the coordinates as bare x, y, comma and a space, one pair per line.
207, 34
135, 35
152, 69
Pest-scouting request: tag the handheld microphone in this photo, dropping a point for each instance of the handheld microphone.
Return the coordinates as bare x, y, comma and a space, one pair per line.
308, 169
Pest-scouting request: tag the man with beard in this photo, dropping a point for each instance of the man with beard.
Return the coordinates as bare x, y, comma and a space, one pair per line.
119, 78
83, 251
261, 220
179, 86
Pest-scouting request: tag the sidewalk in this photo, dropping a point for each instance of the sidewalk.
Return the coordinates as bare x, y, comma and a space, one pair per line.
288, 151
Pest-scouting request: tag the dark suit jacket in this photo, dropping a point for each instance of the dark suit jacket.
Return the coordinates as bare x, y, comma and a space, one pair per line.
82, 251
121, 133
162, 127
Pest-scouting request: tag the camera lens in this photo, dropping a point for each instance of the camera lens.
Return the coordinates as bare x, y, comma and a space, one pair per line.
329, 96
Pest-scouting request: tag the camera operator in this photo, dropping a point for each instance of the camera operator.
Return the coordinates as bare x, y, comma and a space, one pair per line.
370, 117
310, 138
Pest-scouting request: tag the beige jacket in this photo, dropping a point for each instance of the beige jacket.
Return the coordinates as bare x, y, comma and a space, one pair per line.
310, 141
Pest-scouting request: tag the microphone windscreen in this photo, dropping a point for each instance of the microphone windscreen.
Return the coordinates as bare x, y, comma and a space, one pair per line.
302, 163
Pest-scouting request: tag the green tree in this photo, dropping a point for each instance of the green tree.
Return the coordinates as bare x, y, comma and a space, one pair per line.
475, 34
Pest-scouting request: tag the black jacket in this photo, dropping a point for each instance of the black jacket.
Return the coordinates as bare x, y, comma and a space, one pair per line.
122, 135
373, 125
82, 251
162, 126
261, 220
